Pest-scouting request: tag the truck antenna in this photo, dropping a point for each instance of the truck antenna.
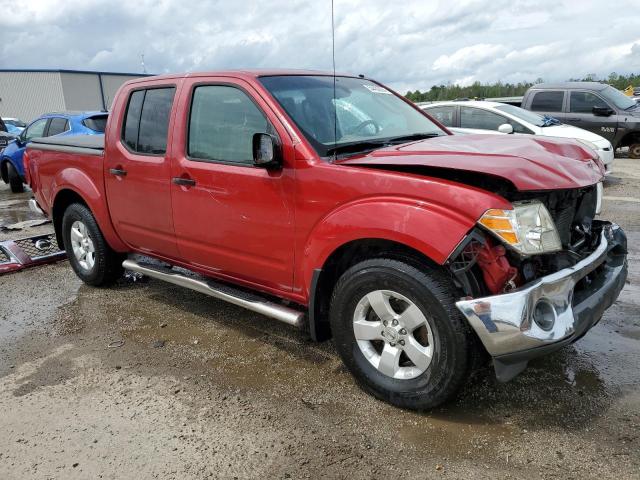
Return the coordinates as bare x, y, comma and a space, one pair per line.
335, 106
144, 68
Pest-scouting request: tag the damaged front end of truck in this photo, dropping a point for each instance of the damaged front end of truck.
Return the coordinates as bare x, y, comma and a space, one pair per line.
539, 276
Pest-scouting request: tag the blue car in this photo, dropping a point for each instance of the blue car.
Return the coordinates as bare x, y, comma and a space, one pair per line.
49, 125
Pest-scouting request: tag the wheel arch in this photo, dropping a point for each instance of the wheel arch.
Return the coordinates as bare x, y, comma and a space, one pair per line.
341, 259
630, 138
4, 169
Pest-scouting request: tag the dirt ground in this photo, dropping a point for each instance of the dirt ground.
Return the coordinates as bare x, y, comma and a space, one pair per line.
201, 389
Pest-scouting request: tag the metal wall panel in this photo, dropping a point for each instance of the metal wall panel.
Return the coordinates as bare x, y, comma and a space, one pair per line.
111, 84
81, 91
27, 95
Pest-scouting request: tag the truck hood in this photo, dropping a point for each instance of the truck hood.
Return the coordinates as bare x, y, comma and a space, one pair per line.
528, 162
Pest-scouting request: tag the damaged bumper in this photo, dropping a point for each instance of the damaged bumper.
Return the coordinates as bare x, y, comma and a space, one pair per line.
551, 311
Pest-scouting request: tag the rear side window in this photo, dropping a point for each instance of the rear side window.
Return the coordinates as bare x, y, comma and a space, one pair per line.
222, 123
57, 126
97, 123
481, 119
147, 120
443, 114
547, 101
583, 102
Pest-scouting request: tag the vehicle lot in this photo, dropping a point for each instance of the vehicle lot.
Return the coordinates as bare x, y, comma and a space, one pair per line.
232, 394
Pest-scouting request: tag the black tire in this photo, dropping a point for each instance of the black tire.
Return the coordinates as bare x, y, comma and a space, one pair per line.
433, 293
107, 267
14, 179
634, 150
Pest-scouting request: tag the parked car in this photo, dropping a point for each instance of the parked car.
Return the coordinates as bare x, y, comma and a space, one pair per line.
5, 136
500, 118
49, 125
593, 106
14, 125
420, 252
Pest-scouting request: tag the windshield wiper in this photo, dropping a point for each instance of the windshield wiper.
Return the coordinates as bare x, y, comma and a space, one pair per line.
357, 147
414, 136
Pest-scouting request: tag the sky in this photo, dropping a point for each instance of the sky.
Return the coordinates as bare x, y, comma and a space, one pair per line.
406, 44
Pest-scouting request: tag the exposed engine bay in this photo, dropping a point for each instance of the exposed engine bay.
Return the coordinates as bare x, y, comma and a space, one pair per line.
482, 265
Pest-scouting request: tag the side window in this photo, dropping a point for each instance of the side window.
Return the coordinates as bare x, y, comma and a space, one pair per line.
147, 120
547, 101
583, 102
482, 119
222, 123
443, 114
57, 126
36, 129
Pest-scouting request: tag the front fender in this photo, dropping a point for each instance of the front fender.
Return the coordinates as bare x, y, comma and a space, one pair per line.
432, 229
93, 195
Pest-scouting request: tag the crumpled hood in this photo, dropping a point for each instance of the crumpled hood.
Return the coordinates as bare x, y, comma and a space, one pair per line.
529, 162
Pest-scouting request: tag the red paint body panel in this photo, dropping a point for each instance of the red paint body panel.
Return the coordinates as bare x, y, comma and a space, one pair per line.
270, 229
530, 163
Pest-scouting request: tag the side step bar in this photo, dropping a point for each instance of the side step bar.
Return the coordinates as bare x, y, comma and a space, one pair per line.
222, 292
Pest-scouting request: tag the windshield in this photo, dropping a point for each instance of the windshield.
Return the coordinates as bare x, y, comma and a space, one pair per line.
368, 115
526, 115
618, 98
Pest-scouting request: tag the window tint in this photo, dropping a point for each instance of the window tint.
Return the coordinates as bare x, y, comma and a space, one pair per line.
583, 102
482, 119
547, 101
443, 114
147, 121
222, 123
57, 126
154, 120
132, 120
97, 124
36, 129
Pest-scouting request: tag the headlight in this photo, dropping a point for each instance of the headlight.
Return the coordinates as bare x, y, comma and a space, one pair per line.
528, 228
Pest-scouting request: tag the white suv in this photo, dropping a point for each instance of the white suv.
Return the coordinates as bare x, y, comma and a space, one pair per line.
464, 117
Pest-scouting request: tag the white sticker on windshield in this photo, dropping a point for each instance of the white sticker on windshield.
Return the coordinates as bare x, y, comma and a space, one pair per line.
376, 89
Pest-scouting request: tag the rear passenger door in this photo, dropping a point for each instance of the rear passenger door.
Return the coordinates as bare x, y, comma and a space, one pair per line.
581, 104
550, 103
231, 217
137, 170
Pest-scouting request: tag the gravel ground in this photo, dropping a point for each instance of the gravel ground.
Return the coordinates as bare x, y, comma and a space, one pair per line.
201, 389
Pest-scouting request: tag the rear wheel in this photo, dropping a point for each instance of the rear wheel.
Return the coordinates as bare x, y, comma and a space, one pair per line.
90, 256
398, 331
634, 150
14, 179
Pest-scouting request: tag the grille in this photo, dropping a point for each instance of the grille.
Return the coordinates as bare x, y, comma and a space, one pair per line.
39, 246
571, 208
3, 142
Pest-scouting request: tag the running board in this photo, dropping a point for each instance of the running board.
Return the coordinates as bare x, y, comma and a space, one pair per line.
229, 294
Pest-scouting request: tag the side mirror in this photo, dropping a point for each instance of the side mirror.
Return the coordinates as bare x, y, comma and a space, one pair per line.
266, 151
505, 128
602, 111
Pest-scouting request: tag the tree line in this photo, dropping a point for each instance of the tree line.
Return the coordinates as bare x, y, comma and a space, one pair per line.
499, 89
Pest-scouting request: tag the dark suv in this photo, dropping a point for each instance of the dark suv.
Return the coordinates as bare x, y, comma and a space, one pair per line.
590, 105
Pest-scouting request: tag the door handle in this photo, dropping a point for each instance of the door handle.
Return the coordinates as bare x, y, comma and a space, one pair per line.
118, 171
185, 182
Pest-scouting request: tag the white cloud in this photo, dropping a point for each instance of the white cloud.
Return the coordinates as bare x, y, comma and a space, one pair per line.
411, 44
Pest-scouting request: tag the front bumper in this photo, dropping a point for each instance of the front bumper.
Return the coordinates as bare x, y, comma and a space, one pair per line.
578, 295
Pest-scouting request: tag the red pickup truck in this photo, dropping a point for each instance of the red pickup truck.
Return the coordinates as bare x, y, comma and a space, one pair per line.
334, 204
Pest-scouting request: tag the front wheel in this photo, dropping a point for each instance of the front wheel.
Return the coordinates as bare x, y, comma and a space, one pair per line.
90, 256
15, 182
634, 150
400, 334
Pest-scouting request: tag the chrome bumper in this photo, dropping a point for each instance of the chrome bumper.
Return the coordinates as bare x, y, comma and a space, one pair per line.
504, 323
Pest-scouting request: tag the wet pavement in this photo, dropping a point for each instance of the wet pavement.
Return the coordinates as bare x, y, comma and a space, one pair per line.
147, 380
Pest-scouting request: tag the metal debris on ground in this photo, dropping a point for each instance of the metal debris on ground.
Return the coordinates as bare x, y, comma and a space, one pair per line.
29, 252
25, 224
116, 344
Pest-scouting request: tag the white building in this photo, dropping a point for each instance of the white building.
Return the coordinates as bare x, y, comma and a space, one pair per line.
27, 94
